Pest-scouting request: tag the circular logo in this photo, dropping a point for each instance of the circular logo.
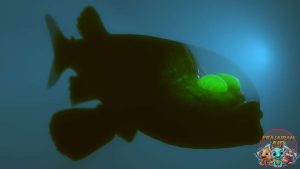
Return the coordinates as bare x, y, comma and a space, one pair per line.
278, 148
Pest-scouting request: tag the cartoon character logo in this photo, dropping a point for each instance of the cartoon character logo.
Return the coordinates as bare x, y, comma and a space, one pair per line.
265, 156
290, 156
278, 148
278, 155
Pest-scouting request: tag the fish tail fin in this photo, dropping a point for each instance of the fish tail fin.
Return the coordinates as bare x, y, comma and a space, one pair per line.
59, 43
79, 132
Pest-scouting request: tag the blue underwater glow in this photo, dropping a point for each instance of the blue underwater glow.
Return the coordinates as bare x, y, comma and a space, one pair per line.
259, 37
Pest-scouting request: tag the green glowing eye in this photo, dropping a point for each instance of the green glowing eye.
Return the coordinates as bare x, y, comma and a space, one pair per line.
213, 83
233, 83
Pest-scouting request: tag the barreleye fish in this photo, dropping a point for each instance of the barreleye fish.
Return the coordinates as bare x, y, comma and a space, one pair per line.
145, 84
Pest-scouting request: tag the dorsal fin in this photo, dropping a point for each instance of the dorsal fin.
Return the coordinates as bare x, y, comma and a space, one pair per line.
90, 24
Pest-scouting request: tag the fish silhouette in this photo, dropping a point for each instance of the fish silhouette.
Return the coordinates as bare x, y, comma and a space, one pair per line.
146, 84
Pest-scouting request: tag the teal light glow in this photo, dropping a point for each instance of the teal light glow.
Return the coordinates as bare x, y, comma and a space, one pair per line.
257, 54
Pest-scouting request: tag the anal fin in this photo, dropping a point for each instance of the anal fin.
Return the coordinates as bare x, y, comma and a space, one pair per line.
127, 134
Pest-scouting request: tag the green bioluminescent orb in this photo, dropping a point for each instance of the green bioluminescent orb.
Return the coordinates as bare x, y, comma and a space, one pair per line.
213, 83
222, 87
233, 83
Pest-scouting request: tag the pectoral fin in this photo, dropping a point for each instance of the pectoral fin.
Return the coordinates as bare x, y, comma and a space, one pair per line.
79, 132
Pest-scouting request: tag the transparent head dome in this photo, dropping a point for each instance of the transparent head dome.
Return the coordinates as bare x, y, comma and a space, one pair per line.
213, 63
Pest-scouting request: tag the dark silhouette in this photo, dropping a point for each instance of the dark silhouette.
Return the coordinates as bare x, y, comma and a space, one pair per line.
145, 84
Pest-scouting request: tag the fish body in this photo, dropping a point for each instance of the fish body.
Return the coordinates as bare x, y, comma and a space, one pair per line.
145, 84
